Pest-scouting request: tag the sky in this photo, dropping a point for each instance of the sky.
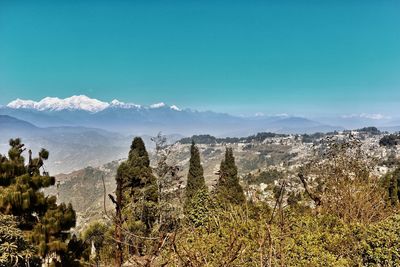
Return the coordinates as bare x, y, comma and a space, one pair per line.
304, 57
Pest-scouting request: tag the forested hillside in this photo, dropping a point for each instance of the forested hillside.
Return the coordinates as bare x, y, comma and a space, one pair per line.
335, 205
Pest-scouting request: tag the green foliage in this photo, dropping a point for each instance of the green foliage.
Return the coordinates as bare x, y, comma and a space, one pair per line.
245, 236
45, 223
311, 138
139, 193
380, 245
195, 180
232, 237
319, 241
198, 207
50, 233
228, 189
266, 177
199, 139
208, 139
390, 140
14, 248
340, 181
371, 130
391, 181
96, 233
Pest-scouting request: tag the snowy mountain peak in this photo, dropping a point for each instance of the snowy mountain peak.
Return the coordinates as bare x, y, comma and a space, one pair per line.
158, 105
20, 103
173, 107
79, 102
119, 104
116, 102
76, 102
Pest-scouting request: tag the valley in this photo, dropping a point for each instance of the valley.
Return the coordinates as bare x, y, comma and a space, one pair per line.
262, 160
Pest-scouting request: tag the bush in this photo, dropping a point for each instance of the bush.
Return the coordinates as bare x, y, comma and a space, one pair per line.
381, 243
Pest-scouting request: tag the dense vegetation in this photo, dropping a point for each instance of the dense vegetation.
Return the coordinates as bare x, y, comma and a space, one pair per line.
371, 130
265, 177
208, 139
333, 210
39, 227
390, 140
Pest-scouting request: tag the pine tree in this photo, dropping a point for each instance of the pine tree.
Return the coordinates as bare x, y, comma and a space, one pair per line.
228, 189
14, 248
45, 223
137, 190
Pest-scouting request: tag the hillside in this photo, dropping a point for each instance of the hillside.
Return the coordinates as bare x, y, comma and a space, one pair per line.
264, 155
71, 148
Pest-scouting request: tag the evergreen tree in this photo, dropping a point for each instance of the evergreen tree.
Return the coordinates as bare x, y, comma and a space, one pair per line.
228, 189
14, 248
137, 195
393, 186
95, 234
195, 180
197, 198
40, 218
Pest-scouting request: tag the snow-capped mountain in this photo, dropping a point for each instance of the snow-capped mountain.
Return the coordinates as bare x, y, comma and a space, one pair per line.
119, 104
158, 105
78, 102
131, 118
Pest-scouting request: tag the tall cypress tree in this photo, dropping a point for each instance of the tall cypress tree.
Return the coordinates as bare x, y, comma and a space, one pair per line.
45, 223
197, 198
195, 179
394, 187
228, 188
137, 190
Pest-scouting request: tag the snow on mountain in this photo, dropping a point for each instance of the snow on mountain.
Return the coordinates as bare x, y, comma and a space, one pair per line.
119, 104
20, 103
173, 107
158, 105
79, 102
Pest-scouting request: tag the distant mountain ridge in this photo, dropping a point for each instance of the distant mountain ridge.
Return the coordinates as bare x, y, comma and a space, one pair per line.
75, 147
71, 147
10, 123
78, 102
129, 118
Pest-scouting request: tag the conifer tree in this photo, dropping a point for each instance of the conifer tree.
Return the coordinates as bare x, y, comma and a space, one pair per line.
45, 223
137, 190
195, 180
196, 205
393, 187
14, 248
228, 189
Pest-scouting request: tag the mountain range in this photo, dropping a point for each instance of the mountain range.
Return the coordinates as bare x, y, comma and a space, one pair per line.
80, 131
134, 119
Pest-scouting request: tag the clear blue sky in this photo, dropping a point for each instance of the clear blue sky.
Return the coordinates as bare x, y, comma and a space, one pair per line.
242, 57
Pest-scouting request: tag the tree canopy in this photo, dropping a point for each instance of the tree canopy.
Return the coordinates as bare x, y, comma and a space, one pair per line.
45, 223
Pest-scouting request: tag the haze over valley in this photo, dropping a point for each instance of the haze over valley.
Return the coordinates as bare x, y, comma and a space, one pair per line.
82, 131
